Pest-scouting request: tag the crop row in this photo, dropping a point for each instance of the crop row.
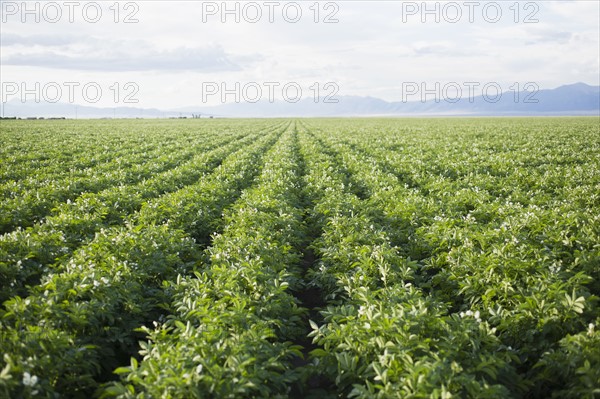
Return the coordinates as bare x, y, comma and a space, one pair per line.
79, 323
27, 254
530, 272
230, 324
29, 199
381, 334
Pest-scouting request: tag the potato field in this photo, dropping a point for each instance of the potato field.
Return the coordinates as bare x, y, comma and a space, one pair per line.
306, 258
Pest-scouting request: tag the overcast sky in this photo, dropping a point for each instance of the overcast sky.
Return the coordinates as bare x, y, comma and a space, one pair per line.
171, 53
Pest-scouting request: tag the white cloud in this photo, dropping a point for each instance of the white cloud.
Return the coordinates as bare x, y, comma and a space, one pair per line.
207, 59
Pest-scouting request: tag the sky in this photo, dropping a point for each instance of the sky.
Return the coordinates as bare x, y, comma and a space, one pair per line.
171, 54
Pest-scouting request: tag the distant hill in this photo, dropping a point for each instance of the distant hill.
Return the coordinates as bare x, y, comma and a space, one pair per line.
574, 99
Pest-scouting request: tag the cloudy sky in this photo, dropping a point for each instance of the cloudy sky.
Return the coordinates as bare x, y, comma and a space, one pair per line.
169, 54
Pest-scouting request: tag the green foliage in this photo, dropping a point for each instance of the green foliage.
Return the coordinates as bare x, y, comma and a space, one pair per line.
316, 258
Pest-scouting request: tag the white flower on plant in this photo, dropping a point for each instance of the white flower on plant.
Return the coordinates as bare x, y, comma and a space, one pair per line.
591, 327
469, 313
29, 380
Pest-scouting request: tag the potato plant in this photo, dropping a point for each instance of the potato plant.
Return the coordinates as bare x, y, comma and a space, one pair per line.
313, 258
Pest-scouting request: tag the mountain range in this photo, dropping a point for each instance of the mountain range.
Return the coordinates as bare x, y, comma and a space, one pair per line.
573, 99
